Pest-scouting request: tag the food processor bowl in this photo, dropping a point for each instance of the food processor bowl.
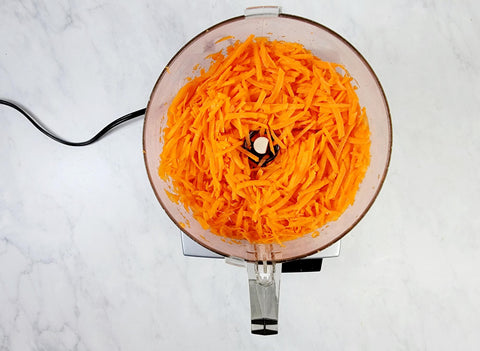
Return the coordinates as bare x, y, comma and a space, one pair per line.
323, 43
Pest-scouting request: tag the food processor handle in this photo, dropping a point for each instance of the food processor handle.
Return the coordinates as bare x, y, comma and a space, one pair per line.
264, 286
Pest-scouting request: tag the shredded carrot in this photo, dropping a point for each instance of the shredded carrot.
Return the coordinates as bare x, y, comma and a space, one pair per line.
224, 38
309, 111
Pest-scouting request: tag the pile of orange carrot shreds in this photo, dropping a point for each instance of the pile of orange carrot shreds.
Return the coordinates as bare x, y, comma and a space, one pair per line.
306, 106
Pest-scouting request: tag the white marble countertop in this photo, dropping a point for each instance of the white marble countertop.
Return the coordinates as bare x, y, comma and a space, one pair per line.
88, 259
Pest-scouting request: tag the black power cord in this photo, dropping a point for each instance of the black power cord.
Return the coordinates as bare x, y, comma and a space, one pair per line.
95, 138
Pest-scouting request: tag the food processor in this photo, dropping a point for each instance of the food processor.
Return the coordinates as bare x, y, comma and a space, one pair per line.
264, 261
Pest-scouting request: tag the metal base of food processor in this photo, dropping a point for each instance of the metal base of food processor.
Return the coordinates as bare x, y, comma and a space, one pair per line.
264, 280
311, 263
